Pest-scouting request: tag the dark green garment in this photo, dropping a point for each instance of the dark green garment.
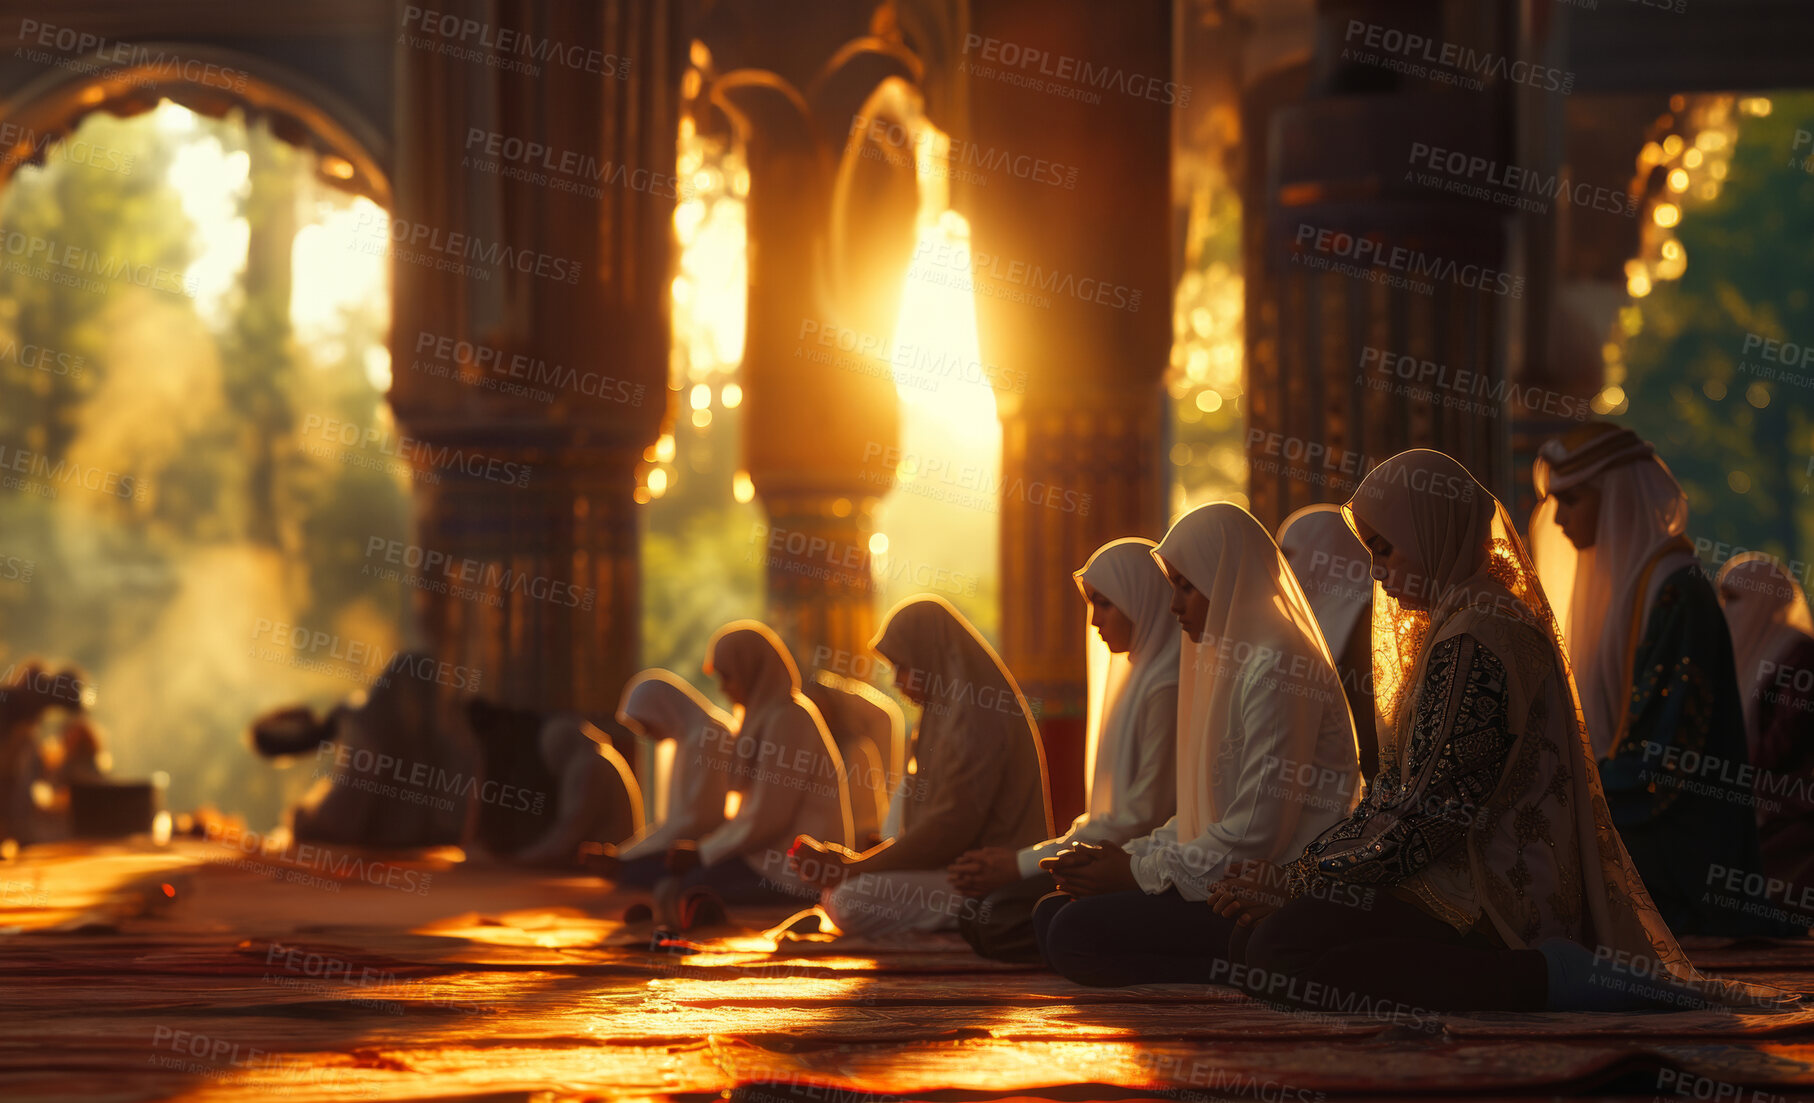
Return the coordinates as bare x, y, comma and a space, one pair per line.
1679, 786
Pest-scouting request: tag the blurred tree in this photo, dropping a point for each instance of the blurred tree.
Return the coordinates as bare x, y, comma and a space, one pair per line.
193, 382
1738, 430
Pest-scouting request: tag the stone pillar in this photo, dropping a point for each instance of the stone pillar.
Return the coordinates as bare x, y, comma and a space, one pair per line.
549, 351
1073, 296
1342, 187
830, 235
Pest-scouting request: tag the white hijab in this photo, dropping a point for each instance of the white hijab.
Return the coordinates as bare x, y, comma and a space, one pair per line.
1124, 572
1333, 568
1767, 613
659, 705
1595, 592
1259, 622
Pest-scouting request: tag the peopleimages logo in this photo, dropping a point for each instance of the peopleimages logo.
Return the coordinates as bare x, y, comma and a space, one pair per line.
1072, 71
1453, 171
563, 169
374, 228
920, 151
94, 52
23, 140
502, 47
449, 352
1372, 253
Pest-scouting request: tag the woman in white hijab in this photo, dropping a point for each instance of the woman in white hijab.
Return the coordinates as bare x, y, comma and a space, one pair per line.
1265, 761
1773, 643
1486, 833
978, 779
1657, 679
1129, 784
786, 766
1332, 568
660, 706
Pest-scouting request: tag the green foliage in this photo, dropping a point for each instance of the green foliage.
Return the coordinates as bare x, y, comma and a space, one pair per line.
160, 595
1693, 388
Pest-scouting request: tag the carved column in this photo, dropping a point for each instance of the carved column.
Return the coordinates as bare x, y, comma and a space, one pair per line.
550, 350
830, 234
1344, 188
1073, 295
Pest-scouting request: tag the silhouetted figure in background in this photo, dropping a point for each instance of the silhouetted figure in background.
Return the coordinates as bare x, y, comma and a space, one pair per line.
29, 692
388, 773
786, 766
661, 706
1773, 649
551, 784
1653, 661
871, 736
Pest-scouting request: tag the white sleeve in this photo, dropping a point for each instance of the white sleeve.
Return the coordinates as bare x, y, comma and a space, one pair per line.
695, 803
1028, 857
770, 805
1267, 807
1146, 786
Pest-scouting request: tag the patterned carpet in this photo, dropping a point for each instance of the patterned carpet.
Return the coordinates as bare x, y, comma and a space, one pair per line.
199, 972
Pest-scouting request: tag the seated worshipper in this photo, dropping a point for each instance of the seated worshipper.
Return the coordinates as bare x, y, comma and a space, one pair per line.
977, 780
1265, 762
1655, 671
1773, 643
786, 767
596, 797
1332, 567
83, 761
385, 738
29, 692
1130, 788
871, 737
660, 705
1482, 865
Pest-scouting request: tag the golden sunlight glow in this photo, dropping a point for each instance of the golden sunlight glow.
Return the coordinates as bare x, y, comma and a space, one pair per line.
878, 543
210, 182
711, 292
743, 489
733, 800
658, 482
330, 272
1666, 215
954, 419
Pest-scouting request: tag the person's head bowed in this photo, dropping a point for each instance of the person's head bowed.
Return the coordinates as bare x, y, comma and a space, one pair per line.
751, 664
658, 704
1427, 523
1218, 557
934, 650
1128, 596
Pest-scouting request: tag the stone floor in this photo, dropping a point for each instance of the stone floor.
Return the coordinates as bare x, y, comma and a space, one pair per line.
195, 971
